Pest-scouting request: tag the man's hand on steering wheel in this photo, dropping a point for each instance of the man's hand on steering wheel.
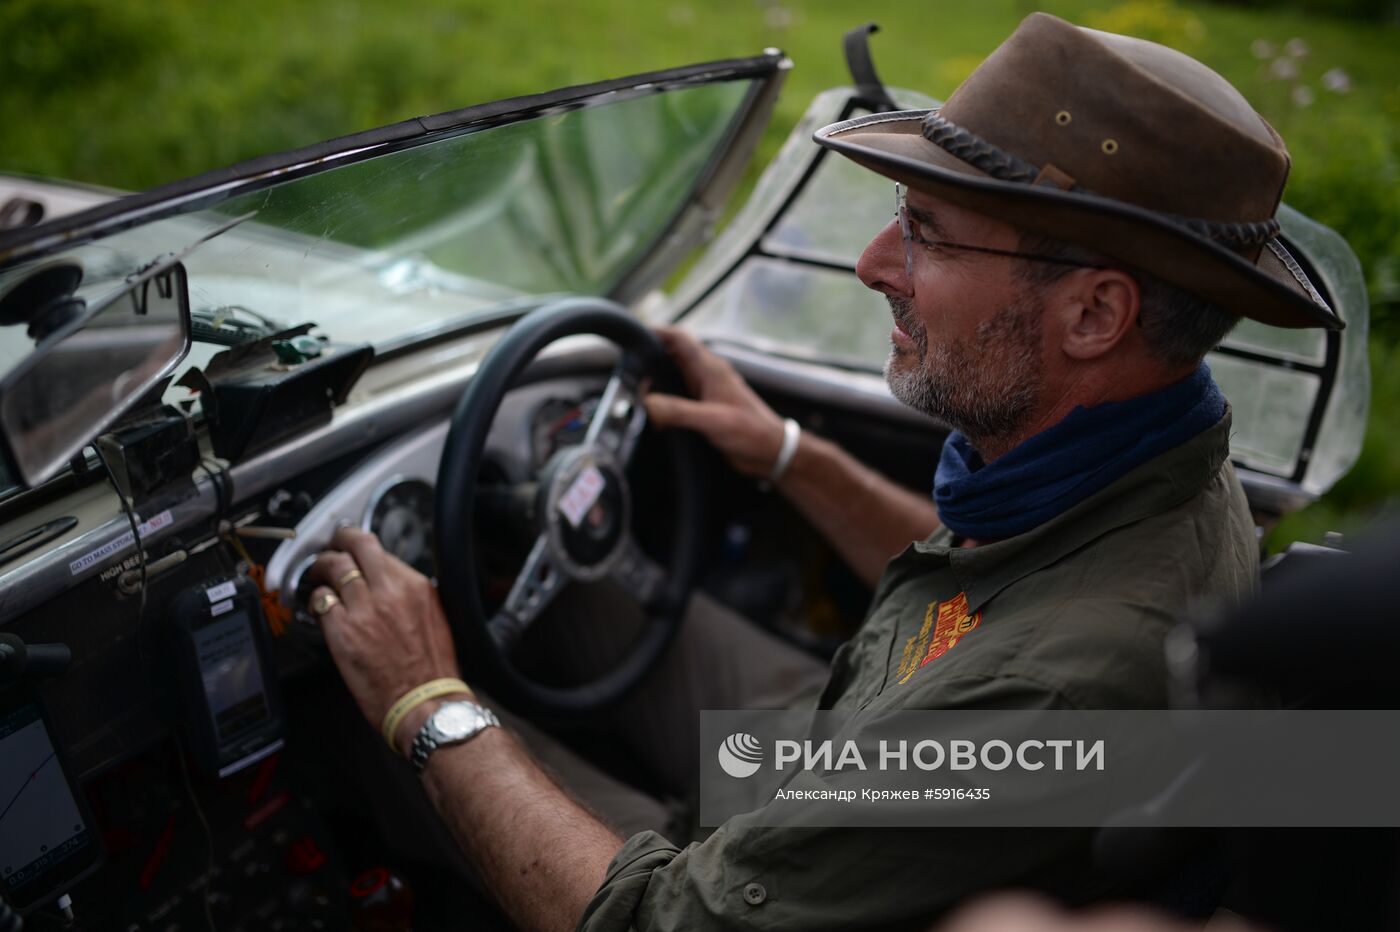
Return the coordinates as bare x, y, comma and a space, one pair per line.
727, 412
390, 632
384, 626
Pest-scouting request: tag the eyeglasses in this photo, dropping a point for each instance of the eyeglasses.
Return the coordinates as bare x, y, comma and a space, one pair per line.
907, 230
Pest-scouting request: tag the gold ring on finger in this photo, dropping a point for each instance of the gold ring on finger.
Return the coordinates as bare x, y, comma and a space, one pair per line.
348, 578
324, 603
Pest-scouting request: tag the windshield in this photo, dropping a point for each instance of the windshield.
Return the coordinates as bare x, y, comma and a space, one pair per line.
381, 249
376, 249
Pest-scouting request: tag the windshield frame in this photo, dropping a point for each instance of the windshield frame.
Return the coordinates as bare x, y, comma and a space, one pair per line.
763, 73
214, 187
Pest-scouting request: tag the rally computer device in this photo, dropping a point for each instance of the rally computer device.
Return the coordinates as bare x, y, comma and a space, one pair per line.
232, 711
47, 840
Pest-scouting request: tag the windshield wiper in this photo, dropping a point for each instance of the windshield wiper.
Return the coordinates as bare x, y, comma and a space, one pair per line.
223, 326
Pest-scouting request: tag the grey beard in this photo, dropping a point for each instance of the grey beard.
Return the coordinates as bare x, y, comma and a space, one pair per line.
988, 388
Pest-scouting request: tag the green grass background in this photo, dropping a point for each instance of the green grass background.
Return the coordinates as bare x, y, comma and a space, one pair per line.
131, 93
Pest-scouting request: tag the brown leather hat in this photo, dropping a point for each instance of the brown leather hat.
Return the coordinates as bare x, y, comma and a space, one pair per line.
1121, 145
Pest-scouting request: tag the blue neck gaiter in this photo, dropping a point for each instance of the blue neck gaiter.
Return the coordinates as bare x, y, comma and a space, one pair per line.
1058, 468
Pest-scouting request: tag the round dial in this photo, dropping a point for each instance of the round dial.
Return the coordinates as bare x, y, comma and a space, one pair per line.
556, 424
401, 515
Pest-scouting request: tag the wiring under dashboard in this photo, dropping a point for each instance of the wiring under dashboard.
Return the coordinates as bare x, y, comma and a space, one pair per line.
180, 752
130, 511
274, 613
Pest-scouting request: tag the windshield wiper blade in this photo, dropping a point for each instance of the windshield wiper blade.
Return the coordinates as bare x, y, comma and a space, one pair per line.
221, 326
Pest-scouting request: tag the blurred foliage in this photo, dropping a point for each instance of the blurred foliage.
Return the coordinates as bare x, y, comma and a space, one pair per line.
1155, 20
1381, 11
132, 93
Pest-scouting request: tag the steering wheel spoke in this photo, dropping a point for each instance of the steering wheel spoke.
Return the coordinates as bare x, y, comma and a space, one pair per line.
620, 416
539, 581
639, 574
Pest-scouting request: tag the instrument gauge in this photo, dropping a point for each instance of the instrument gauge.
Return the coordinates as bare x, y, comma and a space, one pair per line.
556, 424
401, 515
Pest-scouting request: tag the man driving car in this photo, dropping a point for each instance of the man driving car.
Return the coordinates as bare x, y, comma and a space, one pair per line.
1084, 219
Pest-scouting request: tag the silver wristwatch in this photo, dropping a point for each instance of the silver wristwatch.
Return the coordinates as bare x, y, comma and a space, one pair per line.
452, 723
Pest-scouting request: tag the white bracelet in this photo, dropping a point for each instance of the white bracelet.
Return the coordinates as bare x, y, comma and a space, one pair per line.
792, 433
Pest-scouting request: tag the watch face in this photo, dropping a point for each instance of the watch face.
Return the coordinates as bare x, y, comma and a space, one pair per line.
455, 720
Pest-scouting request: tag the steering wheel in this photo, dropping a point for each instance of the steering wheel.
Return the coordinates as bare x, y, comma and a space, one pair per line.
581, 516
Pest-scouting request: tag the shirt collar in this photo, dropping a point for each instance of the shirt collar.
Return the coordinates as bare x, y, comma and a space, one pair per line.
1152, 488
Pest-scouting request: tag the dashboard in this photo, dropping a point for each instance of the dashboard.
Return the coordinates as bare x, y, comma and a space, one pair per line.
165, 778
391, 493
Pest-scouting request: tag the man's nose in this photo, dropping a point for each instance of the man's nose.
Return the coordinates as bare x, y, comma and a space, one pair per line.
881, 266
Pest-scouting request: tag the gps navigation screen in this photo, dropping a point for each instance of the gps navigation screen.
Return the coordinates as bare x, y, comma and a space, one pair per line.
41, 827
228, 662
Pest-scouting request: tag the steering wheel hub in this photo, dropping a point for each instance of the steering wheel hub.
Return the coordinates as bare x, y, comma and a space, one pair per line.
587, 509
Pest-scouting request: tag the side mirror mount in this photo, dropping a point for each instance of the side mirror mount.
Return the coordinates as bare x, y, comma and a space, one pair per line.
90, 365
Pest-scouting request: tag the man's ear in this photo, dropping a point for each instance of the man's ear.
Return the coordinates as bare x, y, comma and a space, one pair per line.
1097, 308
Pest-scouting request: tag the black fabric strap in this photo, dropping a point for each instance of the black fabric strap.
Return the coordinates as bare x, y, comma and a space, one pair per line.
869, 88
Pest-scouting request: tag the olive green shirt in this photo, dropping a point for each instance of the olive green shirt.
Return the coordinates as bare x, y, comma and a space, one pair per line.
1070, 615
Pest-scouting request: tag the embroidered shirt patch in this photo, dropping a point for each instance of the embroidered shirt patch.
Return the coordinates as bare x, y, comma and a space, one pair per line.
944, 625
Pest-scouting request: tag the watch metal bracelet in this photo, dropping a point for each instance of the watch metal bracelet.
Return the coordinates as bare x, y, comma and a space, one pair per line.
453, 723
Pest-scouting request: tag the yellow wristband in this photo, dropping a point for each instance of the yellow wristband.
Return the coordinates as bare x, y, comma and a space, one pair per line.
415, 697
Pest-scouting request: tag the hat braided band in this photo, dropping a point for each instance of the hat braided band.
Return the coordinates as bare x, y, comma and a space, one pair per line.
1004, 166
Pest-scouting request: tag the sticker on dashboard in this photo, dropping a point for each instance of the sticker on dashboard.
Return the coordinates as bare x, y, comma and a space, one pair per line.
221, 591
93, 557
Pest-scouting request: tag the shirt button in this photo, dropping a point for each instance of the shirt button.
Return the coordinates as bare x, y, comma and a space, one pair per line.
754, 894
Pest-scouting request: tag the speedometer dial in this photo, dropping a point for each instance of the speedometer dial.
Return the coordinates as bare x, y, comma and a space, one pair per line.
401, 515
556, 424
